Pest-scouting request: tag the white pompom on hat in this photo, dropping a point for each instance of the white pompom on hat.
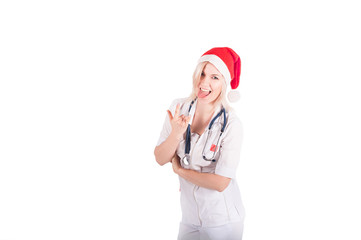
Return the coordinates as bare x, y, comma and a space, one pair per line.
228, 64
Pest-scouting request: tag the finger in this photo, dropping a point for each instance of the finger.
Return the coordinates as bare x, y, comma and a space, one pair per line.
176, 114
179, 120
170, 115
184, 120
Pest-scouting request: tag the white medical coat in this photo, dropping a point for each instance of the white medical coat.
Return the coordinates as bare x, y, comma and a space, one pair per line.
202, 206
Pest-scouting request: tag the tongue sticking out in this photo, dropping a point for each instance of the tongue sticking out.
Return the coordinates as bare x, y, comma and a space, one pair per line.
203, 94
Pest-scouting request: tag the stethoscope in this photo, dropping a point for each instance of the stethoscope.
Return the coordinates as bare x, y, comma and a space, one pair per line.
188, 136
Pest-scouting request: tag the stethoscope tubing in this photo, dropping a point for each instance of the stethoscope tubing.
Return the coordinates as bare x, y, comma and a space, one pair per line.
188, 135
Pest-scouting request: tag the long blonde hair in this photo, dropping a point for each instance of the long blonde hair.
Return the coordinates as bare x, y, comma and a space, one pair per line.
222, 98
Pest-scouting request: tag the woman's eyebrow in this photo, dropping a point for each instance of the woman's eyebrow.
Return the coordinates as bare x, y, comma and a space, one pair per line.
211, 73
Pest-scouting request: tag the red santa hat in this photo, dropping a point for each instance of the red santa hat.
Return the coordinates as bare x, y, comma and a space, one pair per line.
228, 64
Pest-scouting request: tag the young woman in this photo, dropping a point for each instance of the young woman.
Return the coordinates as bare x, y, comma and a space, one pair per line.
202, 138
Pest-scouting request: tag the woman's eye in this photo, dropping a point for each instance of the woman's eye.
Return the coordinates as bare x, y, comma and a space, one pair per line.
202, 74
214, 77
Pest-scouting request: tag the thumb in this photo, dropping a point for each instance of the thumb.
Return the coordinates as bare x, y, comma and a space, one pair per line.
170, 115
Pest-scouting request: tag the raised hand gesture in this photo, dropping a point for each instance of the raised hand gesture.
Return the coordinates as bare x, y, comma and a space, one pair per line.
179, 123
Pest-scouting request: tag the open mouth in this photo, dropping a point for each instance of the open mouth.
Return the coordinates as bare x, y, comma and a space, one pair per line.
204, 92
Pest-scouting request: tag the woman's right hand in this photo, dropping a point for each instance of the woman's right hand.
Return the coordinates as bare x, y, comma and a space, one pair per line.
179, 123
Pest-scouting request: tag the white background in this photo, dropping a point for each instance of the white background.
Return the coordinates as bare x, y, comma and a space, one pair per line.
83, 95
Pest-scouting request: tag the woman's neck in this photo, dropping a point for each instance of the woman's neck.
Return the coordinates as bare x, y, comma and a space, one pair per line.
204, 110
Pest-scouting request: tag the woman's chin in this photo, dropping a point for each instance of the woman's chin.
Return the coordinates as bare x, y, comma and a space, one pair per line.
206, 100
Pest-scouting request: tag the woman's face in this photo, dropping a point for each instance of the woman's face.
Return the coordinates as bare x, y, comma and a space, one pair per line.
210, 84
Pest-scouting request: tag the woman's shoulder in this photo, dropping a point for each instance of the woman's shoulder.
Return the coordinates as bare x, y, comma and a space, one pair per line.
233, 121
181, 101
178, 100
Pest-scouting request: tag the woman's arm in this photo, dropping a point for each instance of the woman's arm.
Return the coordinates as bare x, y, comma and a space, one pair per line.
165, 151
206, 180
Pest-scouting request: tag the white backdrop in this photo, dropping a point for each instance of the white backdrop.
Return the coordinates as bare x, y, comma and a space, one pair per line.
83, 95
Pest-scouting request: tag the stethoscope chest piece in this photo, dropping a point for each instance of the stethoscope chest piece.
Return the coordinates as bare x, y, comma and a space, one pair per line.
185, 160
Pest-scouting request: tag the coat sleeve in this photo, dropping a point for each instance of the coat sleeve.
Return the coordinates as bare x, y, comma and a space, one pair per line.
230, 149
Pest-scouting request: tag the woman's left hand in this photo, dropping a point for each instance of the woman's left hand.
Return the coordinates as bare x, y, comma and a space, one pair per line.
176, 163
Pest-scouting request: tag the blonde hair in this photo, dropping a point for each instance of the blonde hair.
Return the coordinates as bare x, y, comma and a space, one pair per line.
222, 98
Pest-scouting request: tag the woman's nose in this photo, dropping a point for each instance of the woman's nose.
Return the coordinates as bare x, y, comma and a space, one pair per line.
205, 80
